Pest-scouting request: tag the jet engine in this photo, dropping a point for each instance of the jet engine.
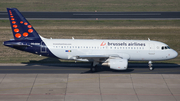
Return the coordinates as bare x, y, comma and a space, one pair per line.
118, 64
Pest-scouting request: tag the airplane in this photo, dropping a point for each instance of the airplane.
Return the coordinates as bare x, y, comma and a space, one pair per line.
113, 53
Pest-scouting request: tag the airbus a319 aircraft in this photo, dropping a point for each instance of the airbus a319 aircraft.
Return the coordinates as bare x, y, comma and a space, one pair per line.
114, 53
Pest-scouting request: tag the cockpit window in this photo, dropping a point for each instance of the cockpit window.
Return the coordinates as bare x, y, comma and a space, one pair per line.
162, 48
165, 47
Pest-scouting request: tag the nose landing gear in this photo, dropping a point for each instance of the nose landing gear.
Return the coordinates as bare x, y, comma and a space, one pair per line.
150, 65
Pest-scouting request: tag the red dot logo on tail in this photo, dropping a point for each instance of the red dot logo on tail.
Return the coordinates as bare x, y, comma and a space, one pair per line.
21, 22
15, 26
16, 30
17, 35
103, 44
13, 22
29, 26
25, 34
30, 30
25, 23
10, 11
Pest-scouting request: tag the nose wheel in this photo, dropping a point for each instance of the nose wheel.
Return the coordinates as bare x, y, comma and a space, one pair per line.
150, 66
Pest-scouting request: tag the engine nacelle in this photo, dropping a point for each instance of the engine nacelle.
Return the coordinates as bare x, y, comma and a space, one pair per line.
118, 64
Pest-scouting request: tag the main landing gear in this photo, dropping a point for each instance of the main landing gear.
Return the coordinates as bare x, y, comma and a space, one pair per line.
94, 66
150, 66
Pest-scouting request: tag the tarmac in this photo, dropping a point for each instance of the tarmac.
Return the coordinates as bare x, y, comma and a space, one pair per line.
66, 82
79, 68
89, 87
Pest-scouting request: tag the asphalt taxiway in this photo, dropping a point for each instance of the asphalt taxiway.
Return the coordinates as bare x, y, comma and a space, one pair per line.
74, 82
89, 87
78, 68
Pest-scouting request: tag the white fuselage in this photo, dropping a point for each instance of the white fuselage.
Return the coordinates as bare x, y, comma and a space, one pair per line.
136, 50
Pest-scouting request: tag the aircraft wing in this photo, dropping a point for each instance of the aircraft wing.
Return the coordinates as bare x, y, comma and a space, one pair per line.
95, 56
92, 56
103, 57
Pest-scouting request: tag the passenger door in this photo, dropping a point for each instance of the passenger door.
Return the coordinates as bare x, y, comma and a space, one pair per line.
43, 47
151, 49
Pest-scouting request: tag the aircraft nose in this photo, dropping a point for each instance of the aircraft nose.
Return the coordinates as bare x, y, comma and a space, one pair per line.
174, 54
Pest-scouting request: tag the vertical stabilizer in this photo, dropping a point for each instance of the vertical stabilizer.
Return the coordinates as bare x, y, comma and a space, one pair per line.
21, 28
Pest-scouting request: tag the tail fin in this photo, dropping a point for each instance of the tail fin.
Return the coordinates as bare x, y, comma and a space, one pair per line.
21, 28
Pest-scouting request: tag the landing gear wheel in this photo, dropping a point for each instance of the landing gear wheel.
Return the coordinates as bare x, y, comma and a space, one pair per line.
93, 68
96, 68
151, 68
